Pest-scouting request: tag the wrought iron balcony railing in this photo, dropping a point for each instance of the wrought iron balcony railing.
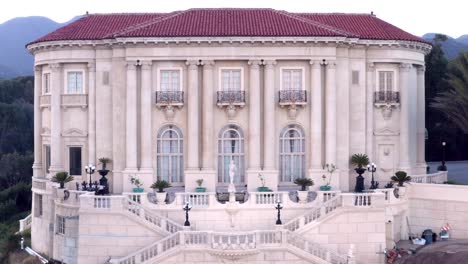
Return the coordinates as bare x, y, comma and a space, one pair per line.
231, 97
169, 97
386, 97
287, 97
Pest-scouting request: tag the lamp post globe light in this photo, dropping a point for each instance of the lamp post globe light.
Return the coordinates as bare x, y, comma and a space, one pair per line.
443, 167
187, 208
90, 169
278, 207
373, 168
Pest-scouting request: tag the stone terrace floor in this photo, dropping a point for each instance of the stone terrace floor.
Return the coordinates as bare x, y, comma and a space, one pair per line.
441, 252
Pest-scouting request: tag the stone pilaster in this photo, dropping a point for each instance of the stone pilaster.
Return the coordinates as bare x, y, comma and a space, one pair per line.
131, 119
404, 117
92, 113
145, 117
270, 171
37, 165
330, 113
370, 89
208, 138
316, 122
56, 119
254, 125
421, 123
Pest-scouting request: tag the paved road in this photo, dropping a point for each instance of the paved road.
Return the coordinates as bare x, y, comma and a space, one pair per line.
443, 252
457, 170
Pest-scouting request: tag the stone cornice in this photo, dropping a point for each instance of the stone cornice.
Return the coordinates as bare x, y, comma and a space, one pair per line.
280, 41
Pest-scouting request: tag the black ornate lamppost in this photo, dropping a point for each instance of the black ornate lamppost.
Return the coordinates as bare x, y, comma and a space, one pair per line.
187, 208
443, 167
373, 168
90, 169
278, 207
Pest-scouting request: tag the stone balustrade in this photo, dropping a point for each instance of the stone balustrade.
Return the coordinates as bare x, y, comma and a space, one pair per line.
231, 243
25, 223
438, 177
44, 100
74, 100
363, 200
39, 183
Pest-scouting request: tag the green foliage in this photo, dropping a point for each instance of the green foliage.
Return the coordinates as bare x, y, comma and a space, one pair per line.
136, 181
453, 103
62, 177
304, 183
160, 185
401, 177
360, 160
15, 168
199, 182
104, 162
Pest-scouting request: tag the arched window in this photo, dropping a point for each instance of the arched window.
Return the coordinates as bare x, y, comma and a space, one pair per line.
231, 146
292, 153
170, 154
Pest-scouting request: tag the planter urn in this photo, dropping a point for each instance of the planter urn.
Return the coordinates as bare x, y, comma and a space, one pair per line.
302, 195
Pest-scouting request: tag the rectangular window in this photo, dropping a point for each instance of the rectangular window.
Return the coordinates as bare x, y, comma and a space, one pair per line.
169, 80
355, 77
37, 205
46, 83
47, 158
75, 82
231, 79
75, 160
292, 79
385, 81
60, 225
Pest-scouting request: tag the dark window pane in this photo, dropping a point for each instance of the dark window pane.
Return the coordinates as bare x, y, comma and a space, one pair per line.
75, 161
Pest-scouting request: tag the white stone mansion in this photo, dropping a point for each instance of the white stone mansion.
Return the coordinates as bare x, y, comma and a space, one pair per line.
177, 96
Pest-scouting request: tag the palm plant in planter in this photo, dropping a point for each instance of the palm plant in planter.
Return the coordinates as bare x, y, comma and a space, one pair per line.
200, 188
303, 193
62, 177
359, 160
104, 162
401, 177
160, 185
263, 188
103, 172
136, 181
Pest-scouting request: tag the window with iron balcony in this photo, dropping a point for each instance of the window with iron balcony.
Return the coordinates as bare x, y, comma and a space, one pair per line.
231, 92
292, 88
169, 92
386, 93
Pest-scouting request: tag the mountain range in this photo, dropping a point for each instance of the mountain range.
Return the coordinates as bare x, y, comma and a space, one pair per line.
14, 35
17, 32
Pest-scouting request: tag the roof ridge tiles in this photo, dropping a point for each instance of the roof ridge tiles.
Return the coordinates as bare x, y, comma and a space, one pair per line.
163, 17
317, 24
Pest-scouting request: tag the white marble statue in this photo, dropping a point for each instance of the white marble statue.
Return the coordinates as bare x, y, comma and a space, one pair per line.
232, 169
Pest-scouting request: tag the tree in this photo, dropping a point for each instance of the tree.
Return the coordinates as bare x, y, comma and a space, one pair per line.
453, 103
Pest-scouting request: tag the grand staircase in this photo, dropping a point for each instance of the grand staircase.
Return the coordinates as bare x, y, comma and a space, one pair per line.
232, 244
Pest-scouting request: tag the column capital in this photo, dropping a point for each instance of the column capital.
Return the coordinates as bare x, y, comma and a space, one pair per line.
192, 64
269, 63
405, 67
91, 66
315, 63
55, 67
331, 64
131, 65
421, 69
146, 64
255, 63
207, 64
370, 67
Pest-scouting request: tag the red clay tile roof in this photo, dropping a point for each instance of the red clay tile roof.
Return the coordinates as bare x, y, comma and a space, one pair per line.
228, 22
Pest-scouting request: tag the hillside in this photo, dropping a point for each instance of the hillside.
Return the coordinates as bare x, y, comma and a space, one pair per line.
452, 46
15, 33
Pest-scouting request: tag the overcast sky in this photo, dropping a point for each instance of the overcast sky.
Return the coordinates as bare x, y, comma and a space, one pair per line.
417, 17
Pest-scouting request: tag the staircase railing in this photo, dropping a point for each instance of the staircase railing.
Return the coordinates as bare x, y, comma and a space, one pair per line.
229, 242
316, 213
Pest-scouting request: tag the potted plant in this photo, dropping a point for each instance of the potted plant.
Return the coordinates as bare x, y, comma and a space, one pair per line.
401, 177
359, 160
199, 188
160, 185
103, 172
136, 181
263, 188
62, 177
327, 180
303, 193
